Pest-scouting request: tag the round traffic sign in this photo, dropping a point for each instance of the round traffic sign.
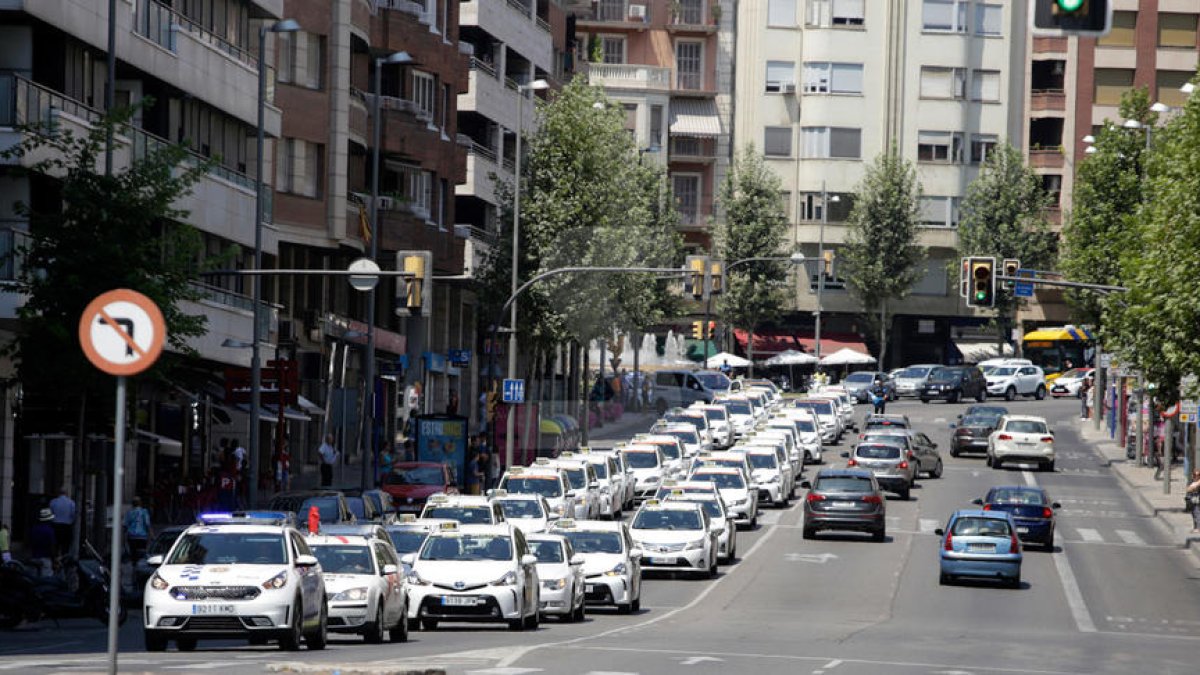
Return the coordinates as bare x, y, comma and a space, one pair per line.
370, 272
122, 332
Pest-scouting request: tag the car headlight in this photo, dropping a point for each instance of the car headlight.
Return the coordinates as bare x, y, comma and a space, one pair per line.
509, 579
158, 583
414, 578
695, 545
276, 582
740, 502
617, 571
554, 584
557, 509
652, 479
351, 594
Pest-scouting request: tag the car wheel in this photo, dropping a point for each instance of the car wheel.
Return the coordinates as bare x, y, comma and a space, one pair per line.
937, 470
944, 579
1048, 542
516, 624
186, 644
373, 633
319, 638
988, 461
1010, 394
924, 400
1040, 393
432, 624
954, 452
1048, 466
154, 643
625, 608
290, 642
906, 493
754, 522
1015, 582
981, 396
534, 621
399, 632
879, 535
809, 533
636, 606
953, 397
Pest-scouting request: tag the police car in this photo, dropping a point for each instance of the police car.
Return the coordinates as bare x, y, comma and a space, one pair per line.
474, 573
735, 491
528, 513
547, 481
675, 537
236, 575
364, 586
466, 509
647, 465
612, 565
560, 570
720, 521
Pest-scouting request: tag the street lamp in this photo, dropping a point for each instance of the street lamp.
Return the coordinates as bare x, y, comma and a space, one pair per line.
825, 201
510, 427
376, 232
283, 26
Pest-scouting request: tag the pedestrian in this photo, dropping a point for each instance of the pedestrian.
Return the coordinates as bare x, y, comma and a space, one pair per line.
452, 403
283, 467
5, 550
386, 459
329, 457
879, 397
63, 508
42, 544
409, 453
474, 475
725, 367
1085, 389
137, 529
1191, 499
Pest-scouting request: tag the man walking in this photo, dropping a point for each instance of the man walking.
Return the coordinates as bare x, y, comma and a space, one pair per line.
137, 529
63, 508
329, 456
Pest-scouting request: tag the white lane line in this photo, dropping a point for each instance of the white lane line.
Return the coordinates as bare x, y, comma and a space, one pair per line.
928, 525
1130, 537
1066, 576
1029, 479
832, 664
1089, 535
769, 517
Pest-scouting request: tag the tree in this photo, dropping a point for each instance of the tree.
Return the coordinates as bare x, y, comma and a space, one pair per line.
1003, 215
881, 253
754, 226
101, 232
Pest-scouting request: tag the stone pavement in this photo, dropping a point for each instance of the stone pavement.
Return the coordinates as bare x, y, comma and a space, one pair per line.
1139, 482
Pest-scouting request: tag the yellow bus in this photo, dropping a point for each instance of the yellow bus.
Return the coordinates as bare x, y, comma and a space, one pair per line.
1057, 350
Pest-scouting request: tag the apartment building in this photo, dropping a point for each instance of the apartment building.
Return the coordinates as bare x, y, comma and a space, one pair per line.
1075, 86
669, 64
824, 86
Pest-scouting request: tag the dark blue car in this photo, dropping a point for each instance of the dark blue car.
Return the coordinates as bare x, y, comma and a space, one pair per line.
1031, 509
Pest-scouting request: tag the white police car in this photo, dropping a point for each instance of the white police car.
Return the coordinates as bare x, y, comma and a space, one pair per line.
474, 573
675, 537
528, 513
466, 509
364, 586
560, 571
236, 575
612, 565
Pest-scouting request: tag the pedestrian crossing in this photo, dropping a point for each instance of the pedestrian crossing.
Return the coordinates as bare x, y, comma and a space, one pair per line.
1065, 534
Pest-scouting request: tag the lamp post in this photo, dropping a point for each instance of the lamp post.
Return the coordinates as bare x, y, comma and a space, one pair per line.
511, 422
825, 201
283, 26
368, 448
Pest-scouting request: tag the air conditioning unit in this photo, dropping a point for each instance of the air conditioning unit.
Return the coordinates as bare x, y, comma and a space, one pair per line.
637, 12
387, 203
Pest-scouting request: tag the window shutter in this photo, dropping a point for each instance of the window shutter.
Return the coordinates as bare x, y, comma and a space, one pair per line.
847, 78
781, 13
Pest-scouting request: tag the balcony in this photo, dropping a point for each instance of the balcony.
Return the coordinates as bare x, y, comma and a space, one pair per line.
513, 22
691, 16
693, 150
609, 14
1047, 100
360, 118
628, 76
493, 97
230, 315
1046, 158
482, 165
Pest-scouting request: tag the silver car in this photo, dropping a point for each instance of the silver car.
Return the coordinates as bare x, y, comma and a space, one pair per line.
911, 380
920, 447
890, 464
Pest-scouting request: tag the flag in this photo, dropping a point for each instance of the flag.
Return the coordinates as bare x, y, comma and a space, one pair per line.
364, 227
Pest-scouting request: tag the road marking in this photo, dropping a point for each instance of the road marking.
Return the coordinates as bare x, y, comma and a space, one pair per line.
1079, 610
819, 558
504, 671
928, 525
1029, 479
204, 665
1089, 535
769, 517
1130, 537
832, 664
693, 660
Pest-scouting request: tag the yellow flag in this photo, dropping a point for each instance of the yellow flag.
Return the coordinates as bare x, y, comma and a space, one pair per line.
364, 227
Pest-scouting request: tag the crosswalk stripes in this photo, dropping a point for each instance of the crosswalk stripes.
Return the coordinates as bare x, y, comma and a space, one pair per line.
1089, 535
1130, 537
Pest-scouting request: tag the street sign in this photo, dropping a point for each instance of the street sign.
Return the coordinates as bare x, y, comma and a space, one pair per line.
514, 391
1024, 289
370, 276
460, 358
1106, 360
122, 332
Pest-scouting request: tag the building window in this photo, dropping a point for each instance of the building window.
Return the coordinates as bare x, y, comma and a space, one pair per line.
1052, 184
631, 118
982, 146
939, 211
1047, 76
830, 269
781, 77
1111, 83
1168, 82
832, 143
777, 142
1177, 31
613, 48
690, 12
781, 13
836, 14
417, 188
944, 16
943, 83
300, 59
686, 188
299, 167
940, 146
933, 281
445, 107
989, 20
656, 127
424, 93
985, 85
833, 78
811, 205
1124, 31
689, 65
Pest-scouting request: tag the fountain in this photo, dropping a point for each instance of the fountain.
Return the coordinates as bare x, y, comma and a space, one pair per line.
674, 353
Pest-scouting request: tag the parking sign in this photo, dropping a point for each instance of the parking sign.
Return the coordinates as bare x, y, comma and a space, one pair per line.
514, 391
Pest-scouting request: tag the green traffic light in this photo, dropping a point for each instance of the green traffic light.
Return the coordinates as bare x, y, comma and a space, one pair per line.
1069, 5
981, 295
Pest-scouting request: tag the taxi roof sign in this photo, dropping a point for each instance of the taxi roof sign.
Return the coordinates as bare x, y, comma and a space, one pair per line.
498, 492
565, 523
408, 517
448, 526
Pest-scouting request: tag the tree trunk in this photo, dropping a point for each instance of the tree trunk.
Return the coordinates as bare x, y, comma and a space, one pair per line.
636, 398
883, 333
535, 370
585, 410
750, 349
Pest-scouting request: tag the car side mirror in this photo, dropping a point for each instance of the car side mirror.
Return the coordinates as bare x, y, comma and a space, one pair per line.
977, 502
408, 559
635, 553
576, 560
952, 425
156, 560
1056, 505
940, 532
846, 455
528, 559
806, 485
306, 561
389, 569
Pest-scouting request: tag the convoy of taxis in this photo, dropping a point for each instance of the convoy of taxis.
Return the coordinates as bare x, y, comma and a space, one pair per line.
582, 530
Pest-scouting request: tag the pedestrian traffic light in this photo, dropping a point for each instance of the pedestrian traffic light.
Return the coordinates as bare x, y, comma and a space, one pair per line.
716, 273
712, 330
697, 330
1010, 266
964, 278
983, 283
417, 285
1092, 18
697, 269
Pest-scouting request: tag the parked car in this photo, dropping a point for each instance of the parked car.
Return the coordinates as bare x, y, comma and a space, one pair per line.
331, 505
980, 544
954, 383
844, 499
681, 388
1069, 382
859, 385
1013, 381
1030, 507
411, 483
911, 380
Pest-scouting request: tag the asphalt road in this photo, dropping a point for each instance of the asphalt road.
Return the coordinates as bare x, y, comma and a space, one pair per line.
1113, 597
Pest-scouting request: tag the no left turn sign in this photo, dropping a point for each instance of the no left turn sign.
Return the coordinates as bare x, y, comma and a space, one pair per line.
122, 332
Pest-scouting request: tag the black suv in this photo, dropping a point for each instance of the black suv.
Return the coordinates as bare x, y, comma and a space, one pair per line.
844, 499
954, 383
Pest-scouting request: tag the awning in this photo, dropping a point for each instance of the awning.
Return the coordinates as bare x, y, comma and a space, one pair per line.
270, 413
309, 407
974, 352
696, 349
166, 446
549, 426
768, 343
695, 117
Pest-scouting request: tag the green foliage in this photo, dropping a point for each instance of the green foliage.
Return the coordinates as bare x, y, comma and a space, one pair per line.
110, 232
754, 226
881, 253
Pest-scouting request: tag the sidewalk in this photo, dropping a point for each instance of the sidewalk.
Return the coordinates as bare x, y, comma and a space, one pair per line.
621, 430
1139, 482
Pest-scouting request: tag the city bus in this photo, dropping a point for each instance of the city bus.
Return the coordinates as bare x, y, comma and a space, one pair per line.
1052, 348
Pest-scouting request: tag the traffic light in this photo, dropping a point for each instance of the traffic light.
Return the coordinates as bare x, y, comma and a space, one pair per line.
712, 330
697, 269
983, 283
964, 278
716, 273
1091, 18
697, 330
1011, 266
417, 285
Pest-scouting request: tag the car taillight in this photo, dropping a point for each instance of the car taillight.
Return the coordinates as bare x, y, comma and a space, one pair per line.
949, 545
1004, 437
987, 507
814, 497
1046, 512
851, 462
1047, 439
1015, 546
873, 499
903, 465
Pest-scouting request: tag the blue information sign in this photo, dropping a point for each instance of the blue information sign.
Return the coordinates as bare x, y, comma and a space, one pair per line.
1024, 289
514, 391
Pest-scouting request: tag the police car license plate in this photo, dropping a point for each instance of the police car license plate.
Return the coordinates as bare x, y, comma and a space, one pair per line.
213, 609
458, 601
662, 561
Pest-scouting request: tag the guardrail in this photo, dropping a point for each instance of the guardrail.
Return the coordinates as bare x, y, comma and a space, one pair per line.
158, 22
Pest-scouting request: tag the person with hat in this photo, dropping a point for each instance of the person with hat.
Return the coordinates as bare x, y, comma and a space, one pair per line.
42, 543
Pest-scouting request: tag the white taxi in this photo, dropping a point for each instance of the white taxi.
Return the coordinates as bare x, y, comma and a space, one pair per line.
720, 521
582, 480
612, 482
624, 474
675, 537
241, 575
547, 481
474, 573
687, 487
735, 490
364, 586
1024, 439
409, 533
465, 509
612, 565
773, 477
675, 454
647, 464
528, 513
560, 570
719, 421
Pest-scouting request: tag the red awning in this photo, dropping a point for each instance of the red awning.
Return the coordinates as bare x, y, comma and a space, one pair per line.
831, 343
770, 343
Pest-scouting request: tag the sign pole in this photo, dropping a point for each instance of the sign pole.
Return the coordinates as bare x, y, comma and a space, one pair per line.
114, 583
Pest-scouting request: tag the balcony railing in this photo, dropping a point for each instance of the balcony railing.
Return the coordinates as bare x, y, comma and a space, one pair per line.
13, 238
519, 6
629, 75
406, 6
543, 24
482, 151
483, 67
235, 300
158, 22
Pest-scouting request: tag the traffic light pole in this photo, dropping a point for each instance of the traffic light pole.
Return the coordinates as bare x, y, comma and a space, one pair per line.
1100, 288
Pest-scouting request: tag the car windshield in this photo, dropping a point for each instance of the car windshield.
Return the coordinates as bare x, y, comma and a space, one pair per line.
641, 460
738, 407
521, 508
601, 469
978, 421
228, 548
407, 541
762, 461
804, 425
357, 507
688, 437
162, 543
343, 559
669, 450
820, 407
421, 475
882, 437
1015, 496
696, 421
593, 542
576, 478
667, 519
711, 506
914, 373
715, 414
980, 527
860, 377
878, 423
1004, 372
877, 452
326, 506
546, 486
714, 381
844, 484
468, 547
1025, 427
547, 551
992, 410
1073, 374
467, 515
728, 481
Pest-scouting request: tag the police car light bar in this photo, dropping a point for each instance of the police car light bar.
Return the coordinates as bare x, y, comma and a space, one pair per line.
247, 518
